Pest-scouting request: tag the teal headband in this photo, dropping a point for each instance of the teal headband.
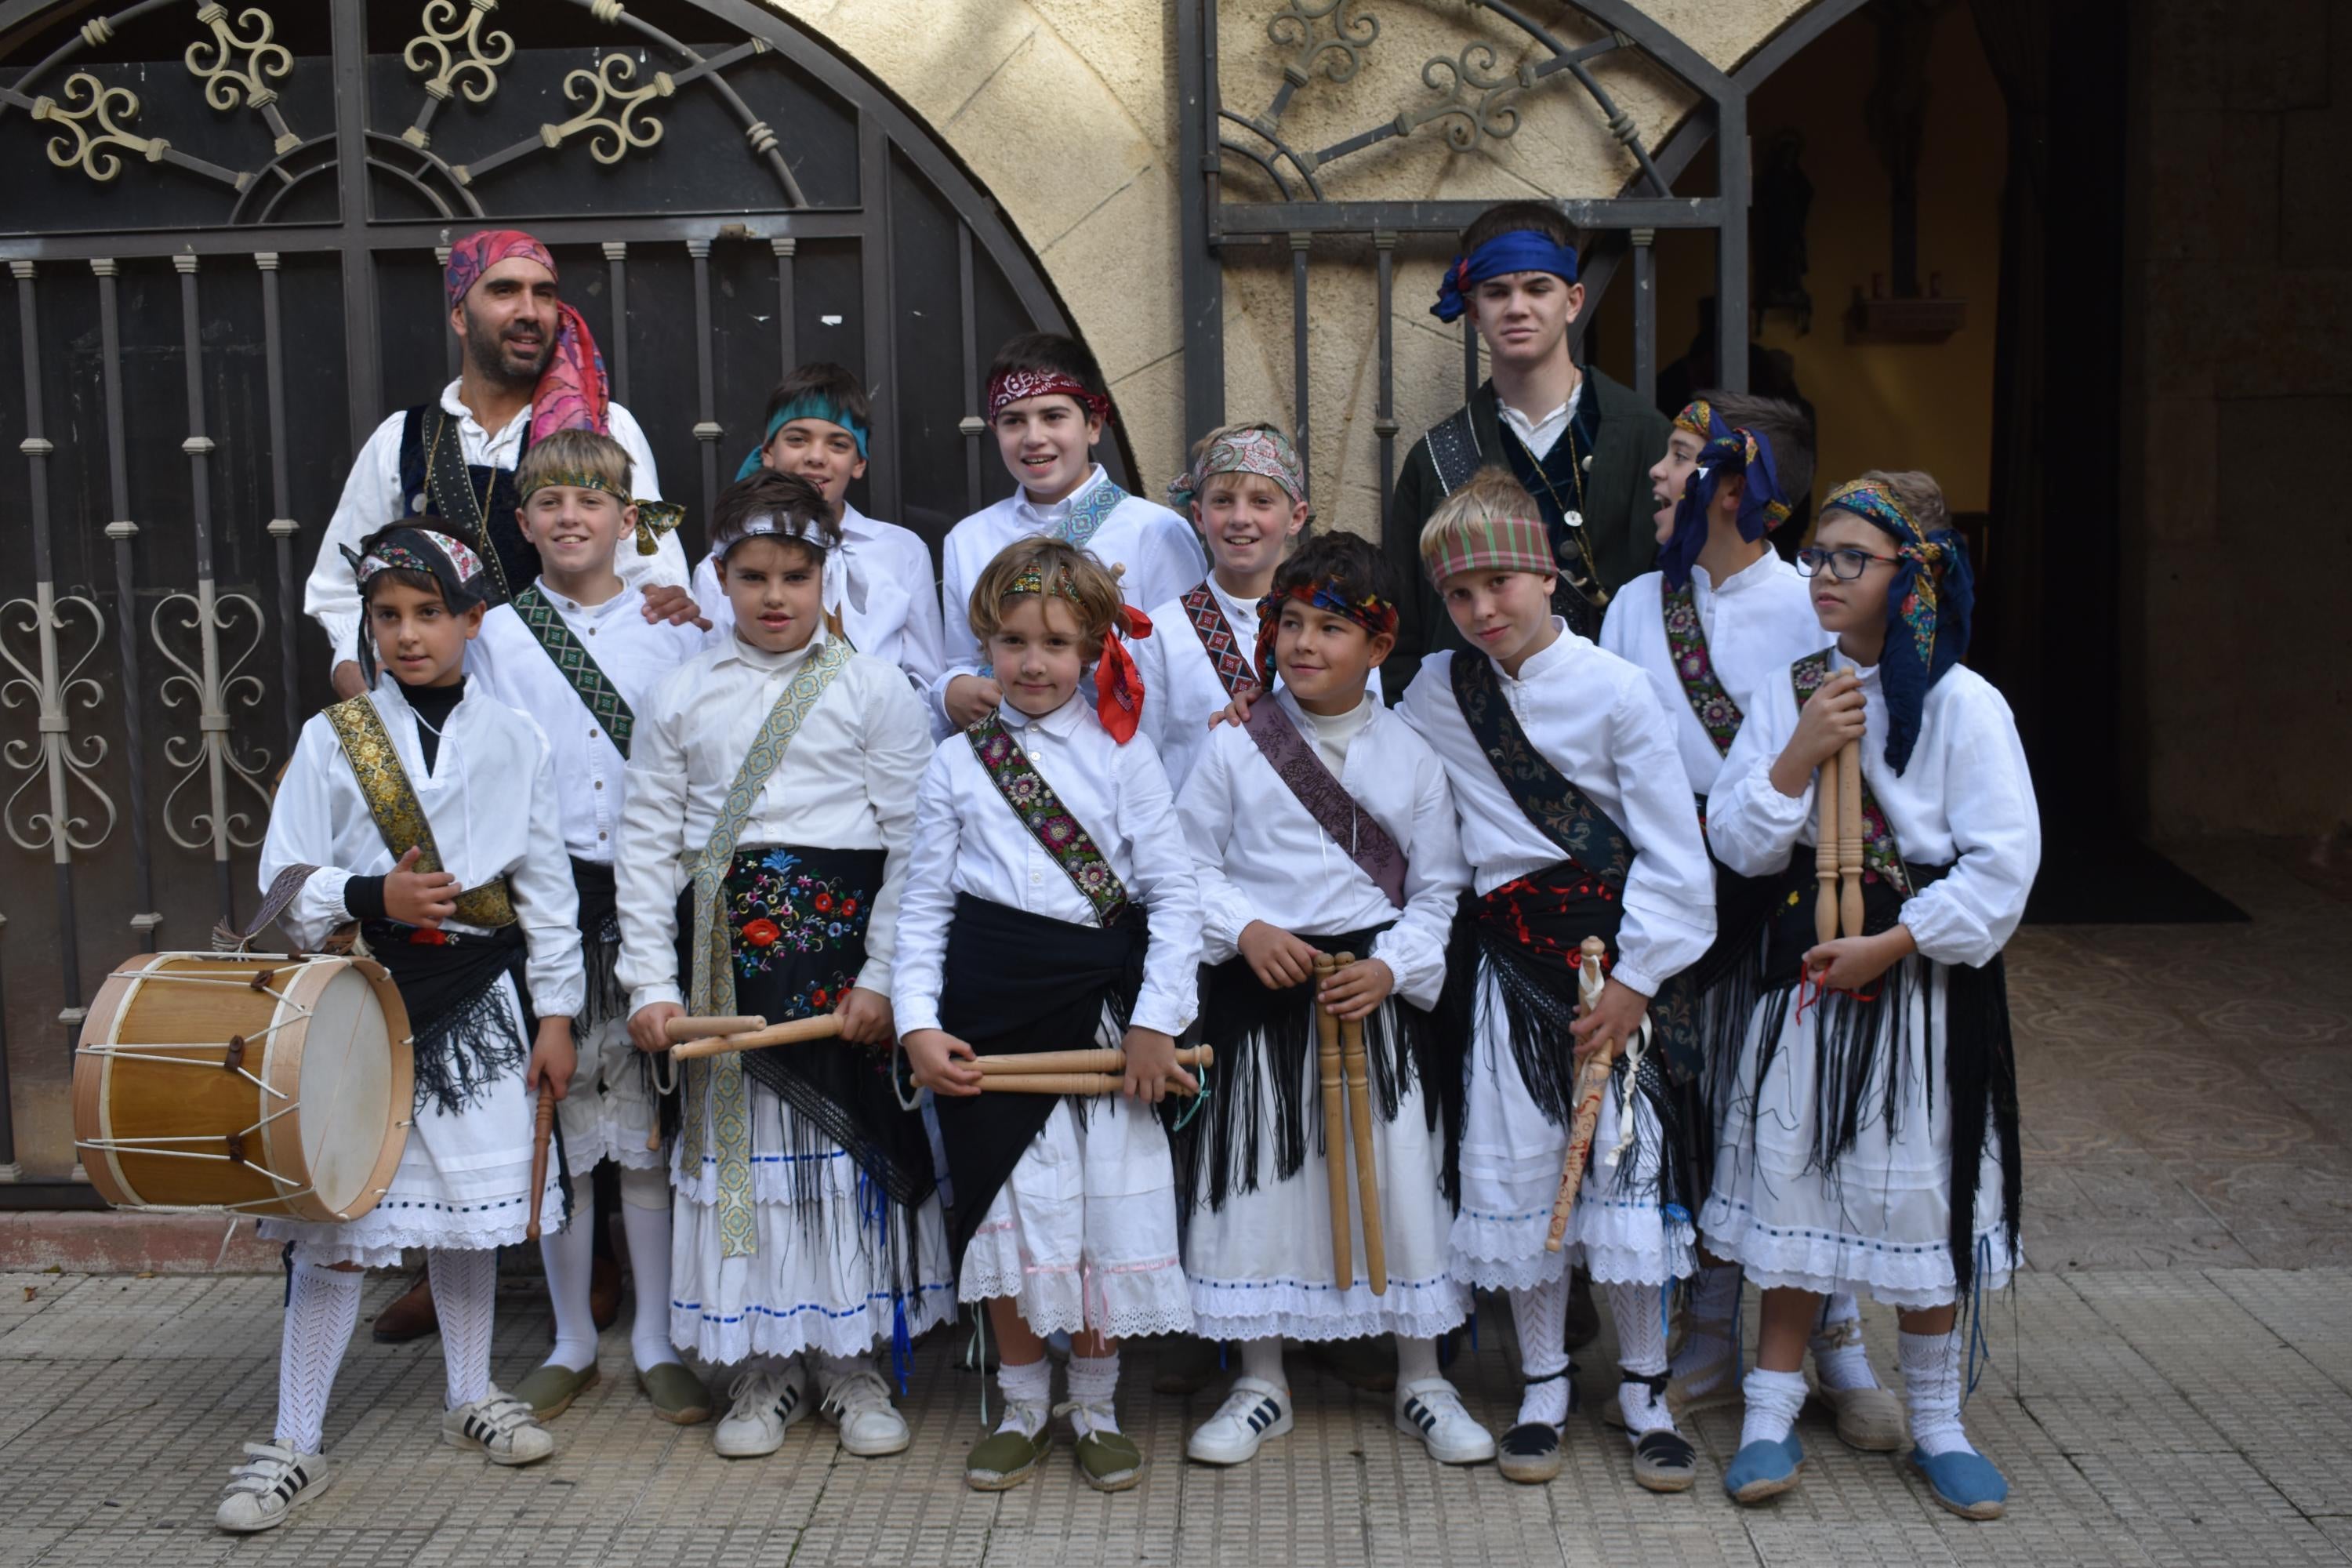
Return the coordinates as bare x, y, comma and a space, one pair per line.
807, 406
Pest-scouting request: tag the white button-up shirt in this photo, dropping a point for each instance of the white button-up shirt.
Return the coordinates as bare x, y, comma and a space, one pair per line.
1964, 800
490, 801
1756, 624
1540, 435
968, 839
848, 782
879, 582
1262, 857
372, 499
590, 776
1162, 555
1596, 719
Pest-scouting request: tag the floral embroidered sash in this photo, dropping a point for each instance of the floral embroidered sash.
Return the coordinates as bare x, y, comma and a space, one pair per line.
1719, 715
399, 816
1041, 811
1561, 811
605, 703
1218, 640
1342, 818
1881, 856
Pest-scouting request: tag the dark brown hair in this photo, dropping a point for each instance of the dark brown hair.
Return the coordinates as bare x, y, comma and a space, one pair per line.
1504, 217
796, 505
1050, 352
1785, 425
821, 378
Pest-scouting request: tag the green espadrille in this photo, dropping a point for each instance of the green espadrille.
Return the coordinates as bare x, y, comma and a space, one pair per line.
679, 1396
1109, 1461
999, 1464
550, 1389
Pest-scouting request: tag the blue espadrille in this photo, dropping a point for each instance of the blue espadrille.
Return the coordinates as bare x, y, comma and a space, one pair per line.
1968, 1483
1764, 1469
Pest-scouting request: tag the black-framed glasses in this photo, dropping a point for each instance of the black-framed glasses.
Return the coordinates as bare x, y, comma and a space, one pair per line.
1845, 565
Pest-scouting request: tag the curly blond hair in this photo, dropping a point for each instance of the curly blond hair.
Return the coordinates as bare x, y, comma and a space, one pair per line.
1031, 566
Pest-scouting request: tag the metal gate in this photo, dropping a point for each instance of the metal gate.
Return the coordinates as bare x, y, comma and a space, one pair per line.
224, 225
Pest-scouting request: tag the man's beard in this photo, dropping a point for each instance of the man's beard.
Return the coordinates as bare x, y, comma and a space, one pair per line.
488, 354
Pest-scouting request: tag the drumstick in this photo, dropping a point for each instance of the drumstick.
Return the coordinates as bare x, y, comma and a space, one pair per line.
678, 1031
1825, 865
1359, 1115
797, 1031
1592, 1082
1092, 1061
1065, 1083
1335, 1112
1849, 763
540, 1128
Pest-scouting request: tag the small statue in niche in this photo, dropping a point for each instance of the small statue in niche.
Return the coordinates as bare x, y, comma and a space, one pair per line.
1784, 199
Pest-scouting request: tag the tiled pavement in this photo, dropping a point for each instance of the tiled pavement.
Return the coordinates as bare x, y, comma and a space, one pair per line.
2171, 1382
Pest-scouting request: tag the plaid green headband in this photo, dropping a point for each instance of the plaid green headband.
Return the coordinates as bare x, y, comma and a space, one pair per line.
1491, 544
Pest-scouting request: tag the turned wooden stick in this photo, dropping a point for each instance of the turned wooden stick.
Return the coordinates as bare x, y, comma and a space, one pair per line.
1358, 1072
542, 1126
1065, 1083
1849, 832
1111, 1060
1826, 850
798, 1031
1591, 1083
678, 1031
1334, 1113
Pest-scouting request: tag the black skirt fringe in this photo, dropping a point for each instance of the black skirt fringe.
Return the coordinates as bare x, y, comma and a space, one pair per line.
464, 1034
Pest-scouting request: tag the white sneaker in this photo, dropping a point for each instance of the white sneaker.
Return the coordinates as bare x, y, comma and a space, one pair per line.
502, 1427
1255, 1411
768, 1400
264, 1489
1430, 1409
859, 1407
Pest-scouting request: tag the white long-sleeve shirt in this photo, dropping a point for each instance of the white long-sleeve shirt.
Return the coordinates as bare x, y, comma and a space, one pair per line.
372, 497
1262, 857
881, 584
1161, 555
490, 802
1596, 719
590, 778
968, 840
1964, 800
1756, 624
847, 782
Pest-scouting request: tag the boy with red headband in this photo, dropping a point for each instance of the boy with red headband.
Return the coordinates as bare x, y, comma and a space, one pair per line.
530, 367
1048, 404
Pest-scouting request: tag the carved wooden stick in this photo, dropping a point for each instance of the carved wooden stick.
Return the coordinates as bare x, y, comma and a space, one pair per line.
1825, 837
1335, 1112
1358, 1072
823, 1026
543, 1125
678, 1031
1099, 1060
1591, 1083
1849, 831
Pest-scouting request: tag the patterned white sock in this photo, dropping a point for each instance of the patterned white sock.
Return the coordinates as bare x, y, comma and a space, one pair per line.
1263, 1359
1930, 1365
1028, 1396
1705, 1358
1773, 1400
322, 1309
1641, 1352
1840, 1359
1540, 1316
646, 1227
1416, 1358
1093, 1384
466, 1298
570, 1257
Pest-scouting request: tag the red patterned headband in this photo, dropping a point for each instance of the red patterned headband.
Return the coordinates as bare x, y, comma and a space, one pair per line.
1012, 385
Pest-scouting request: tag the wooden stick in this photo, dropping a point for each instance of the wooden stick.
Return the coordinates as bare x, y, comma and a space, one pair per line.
1090, 1083
1591, 1083
1358, 1070
1335, 1115
798, 1031
678, 1031
1849, 830
1105, 1060
542, 1127
1825, 853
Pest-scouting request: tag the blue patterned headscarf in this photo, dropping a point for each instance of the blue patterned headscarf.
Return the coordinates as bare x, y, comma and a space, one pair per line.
1514, 250
1727, 450
1927, 608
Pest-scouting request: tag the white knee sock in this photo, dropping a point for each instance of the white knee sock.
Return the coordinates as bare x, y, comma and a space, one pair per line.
1028, 1394
322, 1309
1637, 1310
570, 1257
1773, 1400
1093, 1384
1263, 1359
1416, 1360
1931, 1387
644, 1221
1540, 1316
1706, 1355
466, 1298
1839, 1359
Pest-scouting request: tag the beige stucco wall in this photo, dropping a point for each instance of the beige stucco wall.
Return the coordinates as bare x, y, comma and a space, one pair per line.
1065, 111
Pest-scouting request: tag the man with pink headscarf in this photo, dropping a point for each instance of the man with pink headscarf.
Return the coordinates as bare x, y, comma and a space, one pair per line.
529, 366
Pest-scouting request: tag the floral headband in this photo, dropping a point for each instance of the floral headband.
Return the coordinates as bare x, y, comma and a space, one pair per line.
1258, 450
655, 517
1372, 612
1928, 607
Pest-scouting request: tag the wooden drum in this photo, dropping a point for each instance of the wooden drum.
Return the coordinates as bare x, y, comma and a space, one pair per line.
247, 1083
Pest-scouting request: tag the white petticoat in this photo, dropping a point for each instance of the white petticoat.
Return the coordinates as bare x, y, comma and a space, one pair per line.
1879, 1224
463, 1182
1619, 1231
821, 1278
610, 1113
1083, 1233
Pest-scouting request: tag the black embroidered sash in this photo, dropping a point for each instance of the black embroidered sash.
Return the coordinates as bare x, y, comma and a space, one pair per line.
1041, 811
596, 690
1881, 856
1719, 715
459, 500
1226, 655
1560, 812
1342, 818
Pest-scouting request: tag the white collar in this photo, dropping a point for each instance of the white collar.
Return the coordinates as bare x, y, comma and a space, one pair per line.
1234, 607
1757, 572
856, 524
1061, 723
767, 663
1363, 715
1056, 512
449, 405
570, 605
1562, 646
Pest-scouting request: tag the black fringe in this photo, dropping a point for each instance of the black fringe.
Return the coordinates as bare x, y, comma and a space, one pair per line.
469, 1049
464, 1035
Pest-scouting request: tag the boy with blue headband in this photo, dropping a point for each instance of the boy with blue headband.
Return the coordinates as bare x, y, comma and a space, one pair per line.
1577, 441
879, 582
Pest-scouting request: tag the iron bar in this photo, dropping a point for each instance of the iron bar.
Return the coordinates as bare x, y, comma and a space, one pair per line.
1203, 277
1299, 370
282, 526
1469, 356
616, 272
1645, 315
707, 429
1385, 423
1731, 245
783, 247
362, 339
452, 351
11, 1171
122, 530
880, 314
1238, 219
971, 425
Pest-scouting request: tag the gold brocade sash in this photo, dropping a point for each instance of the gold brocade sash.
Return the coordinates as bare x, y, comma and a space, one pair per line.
399, 817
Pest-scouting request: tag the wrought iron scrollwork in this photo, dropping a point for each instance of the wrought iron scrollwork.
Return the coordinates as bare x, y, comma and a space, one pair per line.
1494, 114
211, 755
55, 758
631, 123
437, 48
1341, 55
90, 103
226, 83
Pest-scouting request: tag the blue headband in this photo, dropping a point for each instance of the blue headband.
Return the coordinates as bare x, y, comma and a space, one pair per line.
1929, 605
807, 406
1518, 251
1762, 508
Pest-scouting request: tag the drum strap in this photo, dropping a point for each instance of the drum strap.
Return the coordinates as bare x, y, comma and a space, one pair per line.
227, 938
399, 816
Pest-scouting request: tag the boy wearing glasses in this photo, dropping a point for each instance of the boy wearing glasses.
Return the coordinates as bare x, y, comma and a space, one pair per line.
1722, 613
